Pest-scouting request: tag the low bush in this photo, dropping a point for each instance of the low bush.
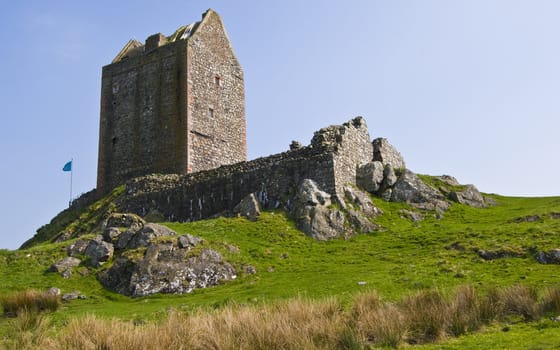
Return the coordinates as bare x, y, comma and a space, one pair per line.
29, 301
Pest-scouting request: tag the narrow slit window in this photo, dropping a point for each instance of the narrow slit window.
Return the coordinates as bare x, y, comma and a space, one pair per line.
211, 113
217, 81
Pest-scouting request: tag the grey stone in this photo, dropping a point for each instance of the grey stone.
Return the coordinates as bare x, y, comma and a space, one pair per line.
99, 251
550, 257
145, 235
248, 207
166, 269
188, 241
389, 176
125, 220
73, 296
448, 179
64, 266
361, 223
370, 176
110, 234
313, 214
409, 188
387, 194
77, 248
469, 196
53, 291
385, 153
362, 201
411, 215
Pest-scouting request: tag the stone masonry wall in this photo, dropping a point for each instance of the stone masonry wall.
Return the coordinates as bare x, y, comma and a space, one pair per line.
216, 98
142, 124
172, 107
275, 179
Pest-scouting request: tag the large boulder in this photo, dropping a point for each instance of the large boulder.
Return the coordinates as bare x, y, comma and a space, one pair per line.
64, 266
550, 257
248, 207
385, 153
370, 176
99, 251
411, 189
469, 196
125, 220
146, 234
166, 268
313, 212
77, 248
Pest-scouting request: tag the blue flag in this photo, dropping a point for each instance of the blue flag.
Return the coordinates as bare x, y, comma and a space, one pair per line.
67, 166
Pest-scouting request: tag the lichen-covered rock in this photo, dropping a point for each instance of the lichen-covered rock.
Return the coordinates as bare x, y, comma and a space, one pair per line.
362, 201
389, 176
550, 257
313, 213
165, 268
125, 220
370, 176
110, 234
469, 196
99, 251
64, 266
77, 248
385, 153
360, 222
188, 241
146, 234
410, 188
248, 207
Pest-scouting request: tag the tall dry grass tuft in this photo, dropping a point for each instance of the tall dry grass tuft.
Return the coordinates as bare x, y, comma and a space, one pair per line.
29, 301
464, 311
521, 301
376, 322
551, 300
426, 316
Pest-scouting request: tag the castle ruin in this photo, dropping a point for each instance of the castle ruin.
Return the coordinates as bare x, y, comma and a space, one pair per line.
173, 105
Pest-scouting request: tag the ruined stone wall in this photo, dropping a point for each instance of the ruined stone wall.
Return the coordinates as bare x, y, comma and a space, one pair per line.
216, 100
350, 145
143, 117
201, 195
330, 161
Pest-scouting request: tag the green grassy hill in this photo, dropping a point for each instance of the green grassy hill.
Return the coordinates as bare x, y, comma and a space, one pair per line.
404, 257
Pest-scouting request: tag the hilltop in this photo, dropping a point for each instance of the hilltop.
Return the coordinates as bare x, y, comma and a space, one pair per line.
439, 235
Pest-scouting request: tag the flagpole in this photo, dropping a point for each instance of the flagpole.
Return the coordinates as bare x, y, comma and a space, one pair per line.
71, 171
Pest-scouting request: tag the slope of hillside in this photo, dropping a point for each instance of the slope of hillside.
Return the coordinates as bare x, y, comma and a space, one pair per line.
484, 247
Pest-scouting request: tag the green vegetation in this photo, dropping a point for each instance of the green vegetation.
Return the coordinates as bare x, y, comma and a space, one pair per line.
402, 260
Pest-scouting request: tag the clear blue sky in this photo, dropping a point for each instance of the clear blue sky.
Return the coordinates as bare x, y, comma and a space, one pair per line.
468, 88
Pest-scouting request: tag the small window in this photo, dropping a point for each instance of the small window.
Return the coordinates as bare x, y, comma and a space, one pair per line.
217, 81
211, 113
115, 88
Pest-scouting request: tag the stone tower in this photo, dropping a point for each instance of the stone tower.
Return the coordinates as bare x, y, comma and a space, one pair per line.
173, 105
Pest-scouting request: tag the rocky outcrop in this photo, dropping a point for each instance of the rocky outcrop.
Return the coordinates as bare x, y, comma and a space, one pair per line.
370, 176
99, 251
469, 196
64, 267
385, 153
411, 189
314, 215
167, 268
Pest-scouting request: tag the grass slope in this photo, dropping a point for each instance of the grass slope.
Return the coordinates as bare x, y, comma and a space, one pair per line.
404, 257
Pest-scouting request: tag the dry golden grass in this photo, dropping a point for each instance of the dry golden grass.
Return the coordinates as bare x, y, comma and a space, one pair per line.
423, 317
29, 301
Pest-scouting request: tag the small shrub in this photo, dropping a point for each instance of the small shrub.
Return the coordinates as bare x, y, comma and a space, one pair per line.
464, 311
491, 306
29, 301
426, 316
521, 301
551, 301
376, 322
